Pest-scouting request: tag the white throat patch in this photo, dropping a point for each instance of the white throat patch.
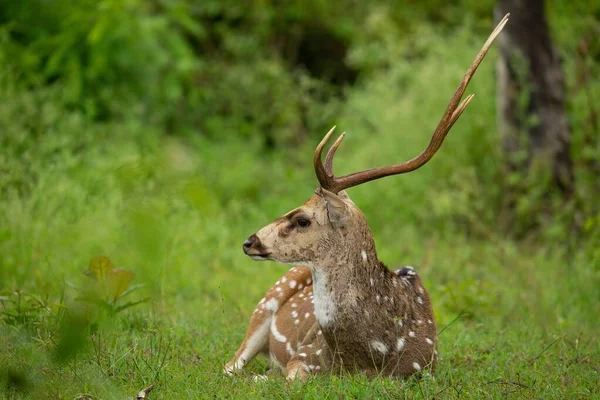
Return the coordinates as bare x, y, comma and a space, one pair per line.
325, 308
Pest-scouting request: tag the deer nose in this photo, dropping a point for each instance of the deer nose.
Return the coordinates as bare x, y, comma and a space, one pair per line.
248, 243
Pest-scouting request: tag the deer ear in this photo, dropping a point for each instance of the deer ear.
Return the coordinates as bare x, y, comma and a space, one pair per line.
337, 210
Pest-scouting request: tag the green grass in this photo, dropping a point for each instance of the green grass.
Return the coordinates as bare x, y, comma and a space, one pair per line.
516, 319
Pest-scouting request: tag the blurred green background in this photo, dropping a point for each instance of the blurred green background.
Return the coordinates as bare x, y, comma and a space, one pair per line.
160, 134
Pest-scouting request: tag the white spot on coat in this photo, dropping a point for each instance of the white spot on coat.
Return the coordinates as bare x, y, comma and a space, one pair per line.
401, 343
419, 300
289, 349
429, 341
379, 346
416, 366
364, 255
411, 334
292, 283
272, 304
278, 336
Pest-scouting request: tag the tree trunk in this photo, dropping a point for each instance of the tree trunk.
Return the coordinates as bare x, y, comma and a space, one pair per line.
531, 92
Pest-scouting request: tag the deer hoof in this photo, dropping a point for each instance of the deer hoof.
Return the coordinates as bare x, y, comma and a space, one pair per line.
297, 371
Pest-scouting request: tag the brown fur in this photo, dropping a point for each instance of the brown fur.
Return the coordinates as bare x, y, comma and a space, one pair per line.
365, 318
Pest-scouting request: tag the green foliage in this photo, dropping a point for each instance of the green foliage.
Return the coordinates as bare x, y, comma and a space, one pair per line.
105, 53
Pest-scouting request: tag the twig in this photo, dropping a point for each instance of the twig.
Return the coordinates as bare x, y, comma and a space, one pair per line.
459, 316
543, 351
143, 393
503, 382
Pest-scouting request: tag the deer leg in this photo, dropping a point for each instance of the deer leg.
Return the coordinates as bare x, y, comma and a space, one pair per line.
256, 341
312, 357
257, 334
306, 361
297, 370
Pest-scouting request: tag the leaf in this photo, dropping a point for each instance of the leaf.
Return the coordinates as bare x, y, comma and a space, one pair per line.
95, 301
130, 304
120, 279
100, 267
131, 289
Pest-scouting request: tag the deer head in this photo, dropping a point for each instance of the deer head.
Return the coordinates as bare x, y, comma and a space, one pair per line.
329, 220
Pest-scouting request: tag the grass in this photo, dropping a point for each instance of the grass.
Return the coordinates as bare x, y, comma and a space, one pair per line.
516, 319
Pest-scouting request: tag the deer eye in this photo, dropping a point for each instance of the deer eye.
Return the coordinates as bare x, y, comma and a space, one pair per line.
302, 222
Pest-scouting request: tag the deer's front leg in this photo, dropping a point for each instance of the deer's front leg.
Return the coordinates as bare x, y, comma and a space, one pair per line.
257, 335
312, 357
256, 341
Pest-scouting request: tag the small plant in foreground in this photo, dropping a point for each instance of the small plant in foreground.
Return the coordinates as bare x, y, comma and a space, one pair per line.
110, 285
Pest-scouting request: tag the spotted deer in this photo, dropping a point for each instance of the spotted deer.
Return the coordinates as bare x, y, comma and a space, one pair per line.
339, 308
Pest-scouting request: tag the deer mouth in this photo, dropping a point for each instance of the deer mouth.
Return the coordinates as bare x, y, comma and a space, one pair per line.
257, 254
254, 249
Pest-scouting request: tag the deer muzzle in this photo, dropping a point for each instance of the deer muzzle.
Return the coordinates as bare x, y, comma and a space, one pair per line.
254, 248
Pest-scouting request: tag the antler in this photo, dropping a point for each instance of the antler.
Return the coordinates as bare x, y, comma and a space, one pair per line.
454, 110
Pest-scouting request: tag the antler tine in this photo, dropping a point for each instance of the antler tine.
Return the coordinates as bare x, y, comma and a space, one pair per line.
331, 154
453, 111
320, 171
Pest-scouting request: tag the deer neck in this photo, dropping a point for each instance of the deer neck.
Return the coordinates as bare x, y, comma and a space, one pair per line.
345, 280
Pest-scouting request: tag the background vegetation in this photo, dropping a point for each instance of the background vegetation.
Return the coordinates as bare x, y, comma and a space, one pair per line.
161, 134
